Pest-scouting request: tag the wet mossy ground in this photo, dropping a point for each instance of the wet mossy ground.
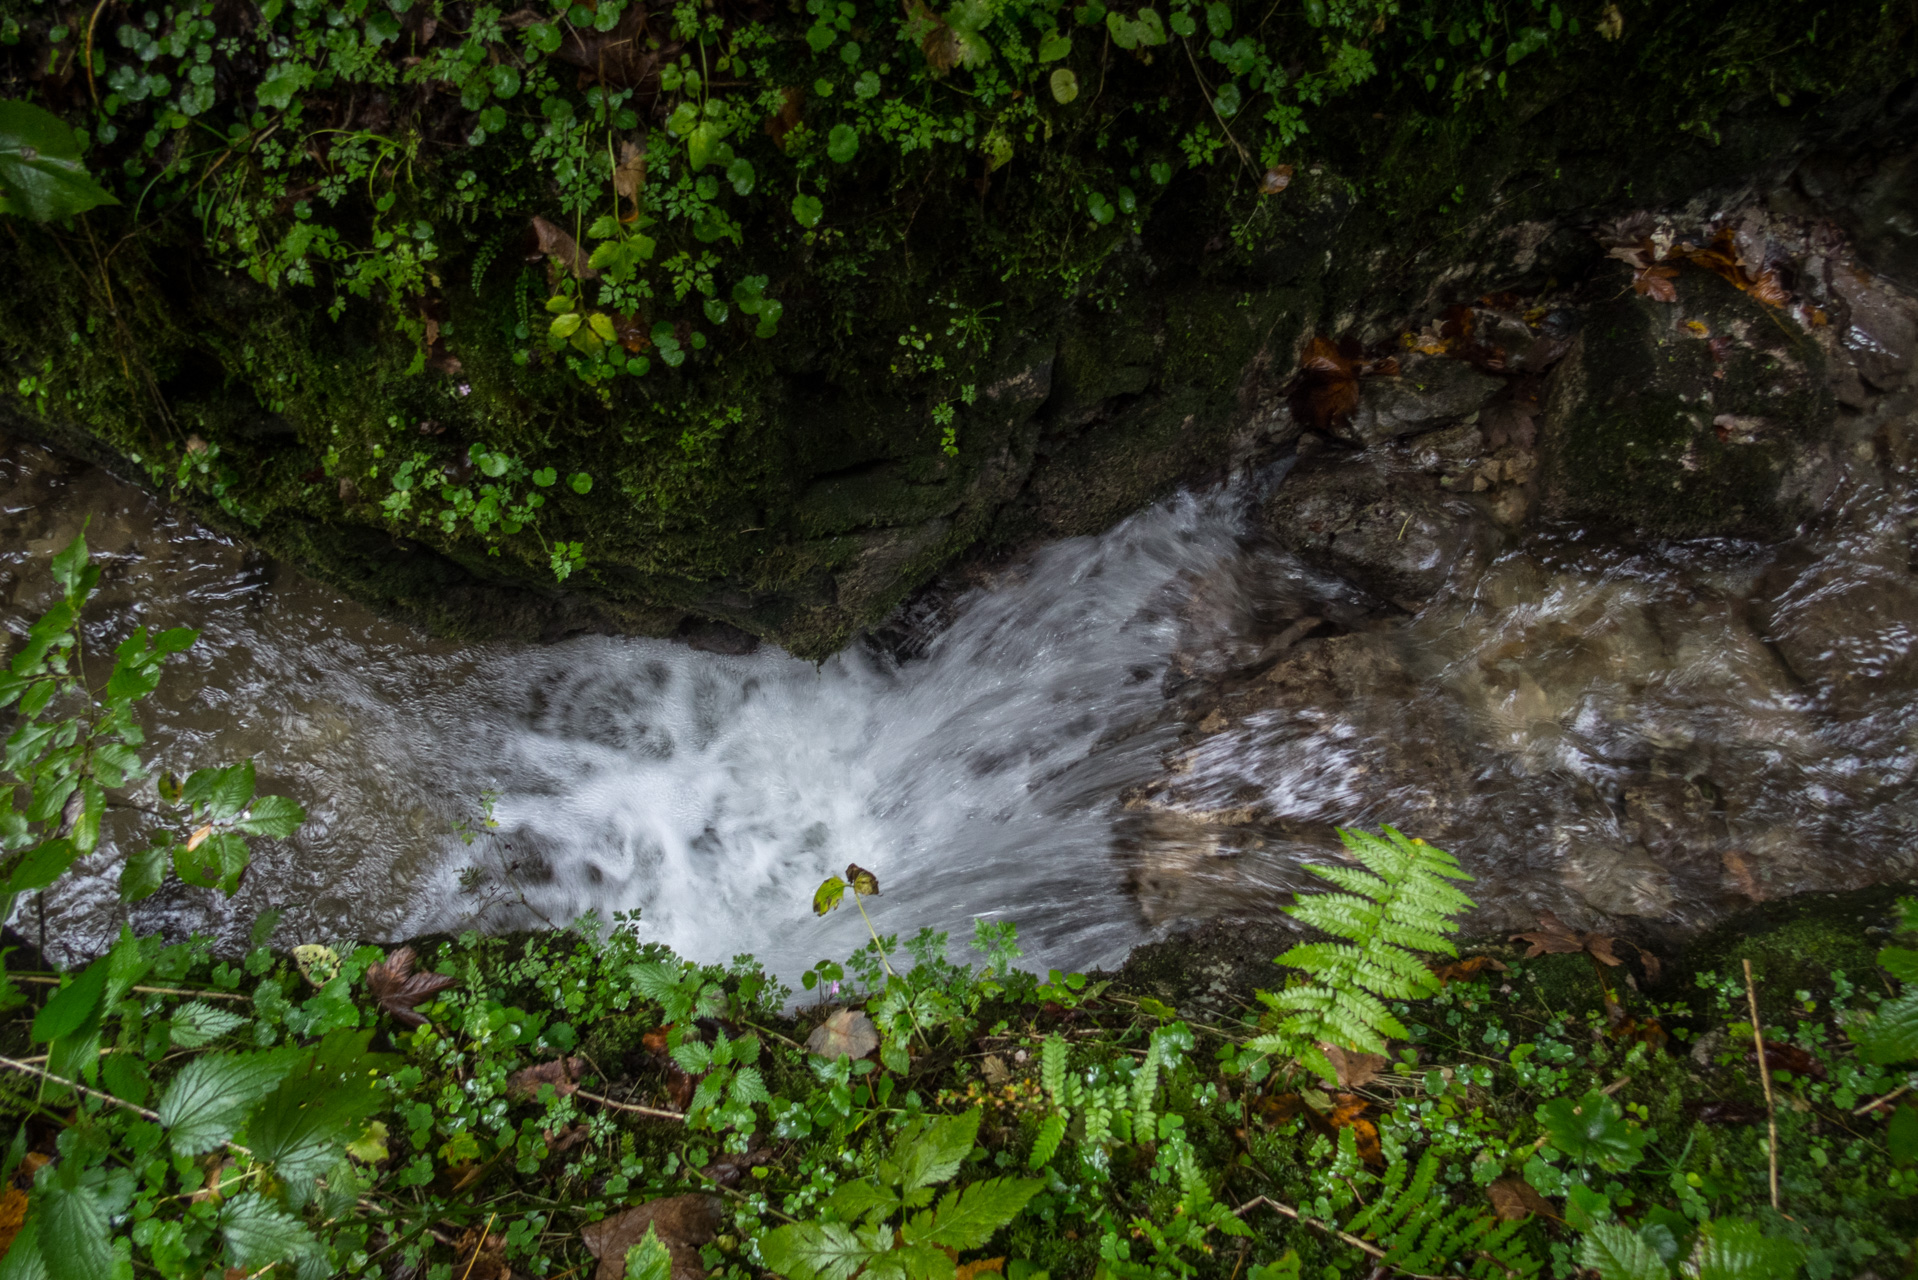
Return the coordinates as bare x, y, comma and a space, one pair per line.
796, 487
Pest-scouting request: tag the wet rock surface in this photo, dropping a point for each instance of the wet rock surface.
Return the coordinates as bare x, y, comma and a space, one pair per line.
1625, 609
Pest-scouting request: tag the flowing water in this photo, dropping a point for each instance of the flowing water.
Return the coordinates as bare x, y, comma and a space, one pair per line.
1098, 745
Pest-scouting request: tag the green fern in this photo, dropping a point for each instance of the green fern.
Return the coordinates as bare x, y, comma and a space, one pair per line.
1421, 1233
1395, 908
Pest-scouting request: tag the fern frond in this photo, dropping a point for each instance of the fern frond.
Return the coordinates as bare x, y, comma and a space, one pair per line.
1052, 1069
1397, 906
1421, 1232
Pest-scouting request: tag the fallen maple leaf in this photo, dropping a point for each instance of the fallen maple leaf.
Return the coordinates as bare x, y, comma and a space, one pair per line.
848, 1032
562, 1073
1513, 1198
398, 990
1554, 937
683, 1224
1655, 282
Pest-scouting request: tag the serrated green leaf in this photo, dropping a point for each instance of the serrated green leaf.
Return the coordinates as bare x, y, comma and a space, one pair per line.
144, 873
1618, 1253
23, 1260
1734, 1249
649, 1259
1892, 1034
257, 1234
863, 1199
821, 1250
199, 1023
126, 1077
967, 1217
205, 1103
927, 1154
41, 866
75, 1242
304, 1124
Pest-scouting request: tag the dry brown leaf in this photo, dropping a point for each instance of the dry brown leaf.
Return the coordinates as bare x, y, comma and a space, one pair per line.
566, 1139
848, 1031
683, 1224
1554, 937
562, 1073
1355, 1070
560, 247
786, 119
1513, 1198
1330, 392
981, 1267
994, 1069
1469, 968
399, 991
1348, 1112
13, 1212
863, 882
629, 175
481, 1258
1655, 282
1276, 179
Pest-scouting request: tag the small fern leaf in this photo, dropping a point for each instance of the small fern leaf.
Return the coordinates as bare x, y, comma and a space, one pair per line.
1052, 1069
1052, 1131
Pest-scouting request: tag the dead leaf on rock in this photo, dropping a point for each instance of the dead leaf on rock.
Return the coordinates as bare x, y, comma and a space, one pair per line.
683, 1224
1355, 1070
562, 1073
1514, 1198
848, 1032
399, 991
554, 243
1554, 937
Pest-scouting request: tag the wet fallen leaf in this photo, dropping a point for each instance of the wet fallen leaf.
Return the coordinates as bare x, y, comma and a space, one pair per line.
1329, 394
1554, 937
1276, 179
399, 991
1467, 969
1355, 1070
1655, 282
848, 1032
566, 1139
1727, 1111
1348, 1112
562, 1073
1279, 1108
1787, 1057
481, 1257
683, 1224
556, 244
1513, 1199
1739, 867
728, 1170
786, 119
629, 175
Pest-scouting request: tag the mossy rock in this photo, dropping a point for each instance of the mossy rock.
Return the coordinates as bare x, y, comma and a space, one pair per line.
1684, 419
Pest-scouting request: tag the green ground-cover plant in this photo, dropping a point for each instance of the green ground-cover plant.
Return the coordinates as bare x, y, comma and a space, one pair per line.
359, 1110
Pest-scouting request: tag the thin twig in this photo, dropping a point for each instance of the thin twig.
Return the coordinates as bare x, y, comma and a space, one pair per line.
44, 1074
1876, 1103
149, 991
1286, 1209
626, 1106
1764, 1076
93, 92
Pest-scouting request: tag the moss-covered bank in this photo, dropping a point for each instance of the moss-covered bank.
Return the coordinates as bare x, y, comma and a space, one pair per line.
1025, 331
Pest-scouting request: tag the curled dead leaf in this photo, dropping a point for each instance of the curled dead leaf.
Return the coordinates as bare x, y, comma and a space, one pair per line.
1467, 969
399, 991
198, 838
863, 882
1276, 179
849, 1032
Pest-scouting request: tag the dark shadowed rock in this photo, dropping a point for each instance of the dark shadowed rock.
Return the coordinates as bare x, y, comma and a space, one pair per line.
1684, 419
1429, 396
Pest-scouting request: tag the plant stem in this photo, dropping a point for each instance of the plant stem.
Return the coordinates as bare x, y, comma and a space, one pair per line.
633, 1107
1764, 1076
